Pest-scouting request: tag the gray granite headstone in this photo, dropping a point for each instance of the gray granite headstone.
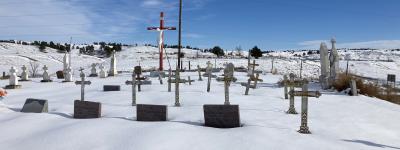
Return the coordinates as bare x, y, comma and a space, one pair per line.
35, 106
111, 88
151, 112
60, 74
222, 116
86, 109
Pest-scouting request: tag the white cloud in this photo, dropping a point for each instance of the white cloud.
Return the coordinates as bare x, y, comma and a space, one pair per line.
379, 44
192, 35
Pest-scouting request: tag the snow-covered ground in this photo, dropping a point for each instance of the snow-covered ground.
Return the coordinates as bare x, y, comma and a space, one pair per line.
337, 121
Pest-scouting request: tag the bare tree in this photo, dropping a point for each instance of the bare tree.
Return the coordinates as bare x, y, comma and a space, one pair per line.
34, 68
239, 51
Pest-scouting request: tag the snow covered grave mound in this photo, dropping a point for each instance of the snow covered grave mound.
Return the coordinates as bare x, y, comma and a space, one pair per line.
337, 121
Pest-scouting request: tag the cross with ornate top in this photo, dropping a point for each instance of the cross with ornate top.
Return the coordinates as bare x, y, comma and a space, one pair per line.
304, 105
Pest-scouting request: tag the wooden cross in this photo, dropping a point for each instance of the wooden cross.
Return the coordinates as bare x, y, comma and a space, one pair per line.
177, 80
138, 72
209, 71
199, 70
248, 85
133, 83
292, 83
253, 66
304, 105
228, 78
82, 83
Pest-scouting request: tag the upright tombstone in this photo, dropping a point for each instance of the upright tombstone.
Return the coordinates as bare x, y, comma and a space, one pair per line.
138, 71
46, 76
113, 65
151, 112
68, 75
334, 62
304, 129
24, 74
13, 80
65, 62
133, 83
353, 86
93, 71
324, 60
85, 109
103, 73
222, 116
285, 89
35, 106
228, 78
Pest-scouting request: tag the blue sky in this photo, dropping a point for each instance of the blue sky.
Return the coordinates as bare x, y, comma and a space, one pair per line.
269, 24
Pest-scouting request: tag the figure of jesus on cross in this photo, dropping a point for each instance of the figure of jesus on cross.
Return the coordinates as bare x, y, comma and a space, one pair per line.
161, 28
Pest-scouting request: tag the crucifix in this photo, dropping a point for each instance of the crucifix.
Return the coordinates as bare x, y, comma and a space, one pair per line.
209, 71
292, 83
161, 29
304, 105
228, 78
82, 83
133, 83
199, 71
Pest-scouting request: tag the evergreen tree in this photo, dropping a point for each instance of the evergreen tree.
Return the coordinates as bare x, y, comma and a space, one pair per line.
218, 51
255, 52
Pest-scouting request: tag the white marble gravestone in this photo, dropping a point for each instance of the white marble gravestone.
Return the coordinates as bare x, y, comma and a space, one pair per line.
93, 71
334, 62
68, 75
113, 65
13, 80
324, 60
103, 73
46, 76
24, 74
65, 62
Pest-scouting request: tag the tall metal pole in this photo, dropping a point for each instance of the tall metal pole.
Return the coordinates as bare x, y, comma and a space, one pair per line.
179, 34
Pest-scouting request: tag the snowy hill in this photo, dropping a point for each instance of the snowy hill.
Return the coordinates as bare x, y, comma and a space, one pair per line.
337, 121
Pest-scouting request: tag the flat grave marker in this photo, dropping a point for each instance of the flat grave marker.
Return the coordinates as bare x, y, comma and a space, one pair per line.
146, 112
221, 116
35, 106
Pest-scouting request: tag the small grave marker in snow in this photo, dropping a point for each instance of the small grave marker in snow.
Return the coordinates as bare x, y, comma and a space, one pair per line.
248, 84
353, 86
138, 72
68, 75
111, 88
24, 74
93, 71
60, 74
151, 112
46, 76
35, 106
222, 116
304, 105
13, 80
103, 73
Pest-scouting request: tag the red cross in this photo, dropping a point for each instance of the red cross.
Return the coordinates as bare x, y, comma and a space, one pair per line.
161, 28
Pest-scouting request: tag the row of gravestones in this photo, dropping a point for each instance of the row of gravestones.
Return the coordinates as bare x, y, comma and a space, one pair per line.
218, 116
